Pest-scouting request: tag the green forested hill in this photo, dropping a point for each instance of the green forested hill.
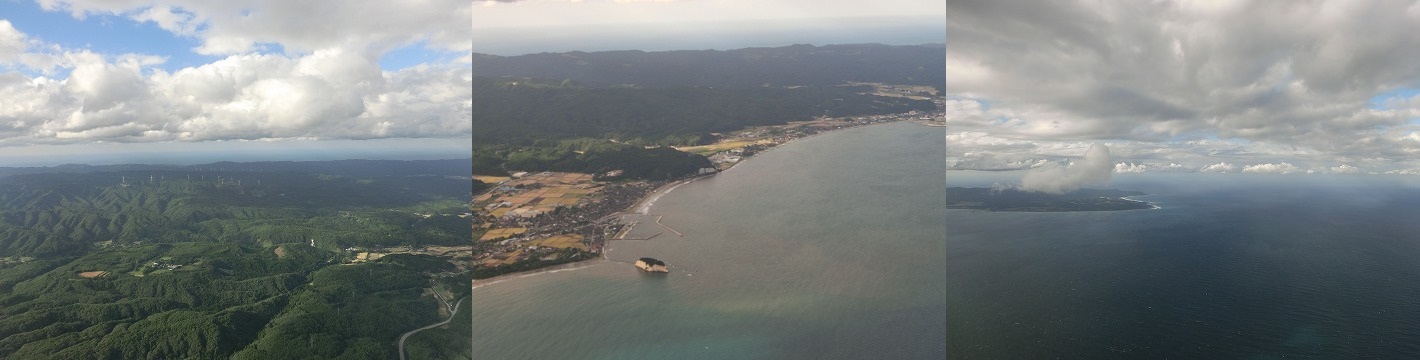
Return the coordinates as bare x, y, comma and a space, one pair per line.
59, 214
203, 264
523, 111
795, 65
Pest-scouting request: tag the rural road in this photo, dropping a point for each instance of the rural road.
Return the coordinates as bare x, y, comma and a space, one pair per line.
411, 332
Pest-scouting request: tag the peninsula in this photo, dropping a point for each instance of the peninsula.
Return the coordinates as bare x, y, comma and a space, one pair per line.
1025, 201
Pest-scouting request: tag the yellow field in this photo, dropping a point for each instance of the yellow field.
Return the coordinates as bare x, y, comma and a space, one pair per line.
546, 192
558, 201
716, 147
562, 242
491, 179
499, 234
512, 257
368, 256
92, 274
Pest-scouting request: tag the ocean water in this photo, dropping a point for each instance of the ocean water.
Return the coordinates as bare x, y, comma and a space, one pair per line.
831, 247
1230, 267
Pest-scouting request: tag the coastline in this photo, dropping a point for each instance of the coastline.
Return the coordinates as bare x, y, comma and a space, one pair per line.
642, 207
776, 146
1152, 206
477, 283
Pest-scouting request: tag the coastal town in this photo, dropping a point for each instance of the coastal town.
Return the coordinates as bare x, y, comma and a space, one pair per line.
531, 220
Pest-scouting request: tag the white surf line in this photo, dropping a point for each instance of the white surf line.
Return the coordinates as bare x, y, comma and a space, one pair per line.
1152, 206
645, 205
555, 269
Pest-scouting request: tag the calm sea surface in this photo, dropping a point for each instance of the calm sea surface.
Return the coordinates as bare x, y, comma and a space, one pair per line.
1231, 267
831, 247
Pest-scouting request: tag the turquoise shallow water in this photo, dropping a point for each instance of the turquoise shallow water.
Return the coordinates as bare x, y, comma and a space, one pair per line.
831, 247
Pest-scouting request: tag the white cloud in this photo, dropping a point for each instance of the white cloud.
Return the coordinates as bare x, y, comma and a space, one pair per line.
226, 27
1345, 169
1278, 168
1130, 168
12, 42
168, 18
1094, 169
335, 92
1221, 167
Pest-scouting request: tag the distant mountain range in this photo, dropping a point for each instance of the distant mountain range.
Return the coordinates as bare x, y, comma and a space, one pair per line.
359, 168
795, 65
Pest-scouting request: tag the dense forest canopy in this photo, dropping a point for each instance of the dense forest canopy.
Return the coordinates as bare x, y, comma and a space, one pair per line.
57, 214
523, 111
616, 108
796, 65
243, 260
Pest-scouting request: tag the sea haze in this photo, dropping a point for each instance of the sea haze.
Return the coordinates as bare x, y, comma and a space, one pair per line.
1230, 266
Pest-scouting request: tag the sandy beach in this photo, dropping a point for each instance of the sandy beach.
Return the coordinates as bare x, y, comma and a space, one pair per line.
644, 205
477, 283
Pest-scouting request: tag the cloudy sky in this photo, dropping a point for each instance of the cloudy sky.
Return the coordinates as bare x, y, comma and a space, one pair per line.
514, 27
1198, 85
86, 79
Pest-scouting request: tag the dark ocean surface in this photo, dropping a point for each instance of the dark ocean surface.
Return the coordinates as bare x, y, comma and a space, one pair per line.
831, 247
1233, 266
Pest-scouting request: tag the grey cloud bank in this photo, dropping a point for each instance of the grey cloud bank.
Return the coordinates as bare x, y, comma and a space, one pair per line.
1193, 83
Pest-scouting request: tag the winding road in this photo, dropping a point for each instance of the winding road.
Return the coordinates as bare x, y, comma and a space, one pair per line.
455, 312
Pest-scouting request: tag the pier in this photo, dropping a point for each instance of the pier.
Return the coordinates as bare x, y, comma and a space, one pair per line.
658, 222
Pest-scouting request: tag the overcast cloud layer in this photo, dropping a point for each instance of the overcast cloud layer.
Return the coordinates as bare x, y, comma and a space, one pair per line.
323, 81
531, 26
1224, 86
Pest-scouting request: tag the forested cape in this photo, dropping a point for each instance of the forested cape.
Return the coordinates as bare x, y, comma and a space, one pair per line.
223, 260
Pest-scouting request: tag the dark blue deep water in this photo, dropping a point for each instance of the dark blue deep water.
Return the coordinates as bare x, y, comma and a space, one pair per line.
1232, 266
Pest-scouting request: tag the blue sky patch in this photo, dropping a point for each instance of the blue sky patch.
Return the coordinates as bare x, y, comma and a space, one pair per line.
415, 54
104, 34
1378, 101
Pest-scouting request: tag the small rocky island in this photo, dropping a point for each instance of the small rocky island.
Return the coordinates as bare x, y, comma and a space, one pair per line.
1025, 201
651, 265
